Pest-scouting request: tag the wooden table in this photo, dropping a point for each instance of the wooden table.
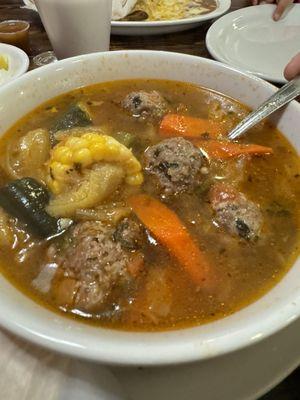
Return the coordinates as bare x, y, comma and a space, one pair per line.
191, 42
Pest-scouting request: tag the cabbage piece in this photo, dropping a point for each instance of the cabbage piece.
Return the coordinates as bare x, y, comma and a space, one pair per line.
27, 155
99, 184
6, 231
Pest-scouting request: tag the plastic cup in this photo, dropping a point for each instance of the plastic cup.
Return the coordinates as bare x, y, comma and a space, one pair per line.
76, 27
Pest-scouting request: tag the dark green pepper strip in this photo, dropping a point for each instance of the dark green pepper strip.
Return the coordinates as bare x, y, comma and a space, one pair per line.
26, 200
77, 116
125, 138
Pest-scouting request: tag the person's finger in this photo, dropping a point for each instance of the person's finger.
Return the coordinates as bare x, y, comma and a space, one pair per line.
281, 7
261, 2
293, 68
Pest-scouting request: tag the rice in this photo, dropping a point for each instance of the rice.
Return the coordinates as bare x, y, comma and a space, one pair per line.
174, 9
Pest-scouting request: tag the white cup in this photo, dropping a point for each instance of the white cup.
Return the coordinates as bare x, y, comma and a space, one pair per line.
76, 27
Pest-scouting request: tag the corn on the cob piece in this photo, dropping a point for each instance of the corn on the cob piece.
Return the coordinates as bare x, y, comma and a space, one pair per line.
86, 150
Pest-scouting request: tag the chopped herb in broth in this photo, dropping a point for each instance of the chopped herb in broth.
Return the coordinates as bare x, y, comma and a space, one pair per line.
138, 199
161, 10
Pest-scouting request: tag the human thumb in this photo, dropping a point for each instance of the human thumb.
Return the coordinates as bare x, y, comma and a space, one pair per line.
293, 68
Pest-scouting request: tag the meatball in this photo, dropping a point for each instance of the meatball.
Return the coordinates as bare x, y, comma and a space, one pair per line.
175, 163
238, 215
93, 262
129, 234
145, 105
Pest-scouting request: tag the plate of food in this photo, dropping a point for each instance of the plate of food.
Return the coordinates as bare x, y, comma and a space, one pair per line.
152, 17
14, 62
149, 17
250, 39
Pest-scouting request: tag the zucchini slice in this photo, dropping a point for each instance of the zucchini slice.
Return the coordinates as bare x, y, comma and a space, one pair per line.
125, 138
78, 115
26, 200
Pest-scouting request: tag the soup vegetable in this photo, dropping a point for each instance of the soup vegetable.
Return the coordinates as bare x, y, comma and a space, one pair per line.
161, 10
123, 204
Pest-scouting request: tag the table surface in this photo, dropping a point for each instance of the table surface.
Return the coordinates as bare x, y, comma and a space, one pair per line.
190, 42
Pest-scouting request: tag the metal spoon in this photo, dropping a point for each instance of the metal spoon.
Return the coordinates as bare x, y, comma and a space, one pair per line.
284, 95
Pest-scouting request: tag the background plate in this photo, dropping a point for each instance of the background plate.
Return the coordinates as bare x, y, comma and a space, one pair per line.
28, 372
161, 27
18, 61
132, 28
249, 39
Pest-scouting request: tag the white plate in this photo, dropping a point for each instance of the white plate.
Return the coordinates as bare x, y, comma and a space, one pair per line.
18, 62
132, 28
243, 375
250, 40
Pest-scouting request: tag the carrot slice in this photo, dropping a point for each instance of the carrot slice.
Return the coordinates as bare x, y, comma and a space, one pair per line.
181, 125
170, 232
225, 150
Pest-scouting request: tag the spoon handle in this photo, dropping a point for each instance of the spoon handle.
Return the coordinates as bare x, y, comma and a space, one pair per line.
284, 95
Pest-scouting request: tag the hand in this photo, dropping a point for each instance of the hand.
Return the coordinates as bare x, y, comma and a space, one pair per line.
281, 6
293, 68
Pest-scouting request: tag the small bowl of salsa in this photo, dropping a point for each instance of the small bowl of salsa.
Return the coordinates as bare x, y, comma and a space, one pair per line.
16, 33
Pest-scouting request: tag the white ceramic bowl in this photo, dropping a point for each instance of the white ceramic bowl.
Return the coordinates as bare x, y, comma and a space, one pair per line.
18, 62
266, 316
